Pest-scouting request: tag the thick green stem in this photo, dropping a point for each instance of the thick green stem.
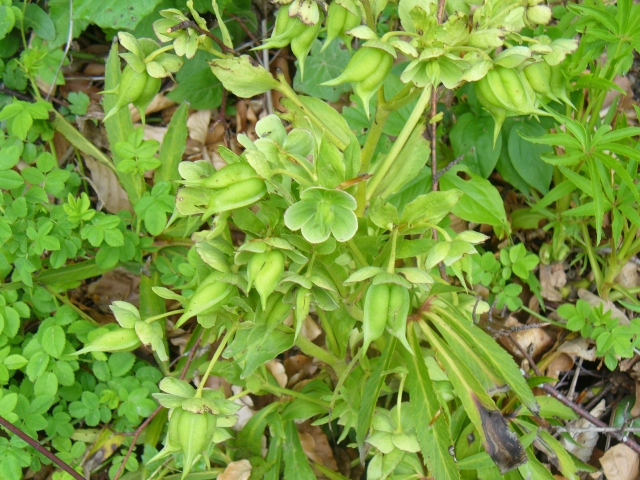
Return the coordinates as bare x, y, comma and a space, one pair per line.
311, 349
213, 361
392, 156
288, 92
391, 266
369, 148
597, 273
163, 315
292, 393
368, 13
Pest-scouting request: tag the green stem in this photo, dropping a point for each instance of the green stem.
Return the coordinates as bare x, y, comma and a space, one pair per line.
597, 273
391, 266
163, 315
70, 304
369, 148
357, 254
540, 317
288, 92
368, 13
292, 393
343, 377
239, 395
403, 377
213, 361
312, 350
392, 156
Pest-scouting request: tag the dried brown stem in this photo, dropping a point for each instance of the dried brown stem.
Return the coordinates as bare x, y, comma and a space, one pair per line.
193, 25
574, 406
35, 444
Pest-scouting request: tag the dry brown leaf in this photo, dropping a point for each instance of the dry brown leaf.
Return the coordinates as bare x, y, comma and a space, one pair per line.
277, 370
316, 446
160, 102
246, 412
118, 284
620, 463
594, 300
635, 411
628, 276
588, 439
154, 133
579, 347
198, 125
535, 338
562, 363
552, 278
298, 368
240, 470
106, 185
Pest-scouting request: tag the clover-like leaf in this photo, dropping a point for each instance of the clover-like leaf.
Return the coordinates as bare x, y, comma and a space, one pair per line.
322, 212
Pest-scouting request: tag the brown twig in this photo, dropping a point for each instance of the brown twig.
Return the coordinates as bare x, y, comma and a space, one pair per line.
35, 444
193, 25
444, 170
15, 93
574, 406
144, 424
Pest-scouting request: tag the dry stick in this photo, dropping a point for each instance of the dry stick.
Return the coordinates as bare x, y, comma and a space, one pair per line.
571, 395
574, 406
35, 444
144, 424
191, 24
451, 164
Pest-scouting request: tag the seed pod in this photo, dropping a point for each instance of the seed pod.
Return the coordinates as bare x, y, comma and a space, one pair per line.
303, 305
237, 195
120, 340
376, 308
369, 86
339, 21
538, 15
488, 100
301, 44
518, 89
278, 314
539, 76
397, 313
494, 82
545, 254
255, 265
195, 432
129, 89
150, 91
172, 442
269, 276
558, 85
286, 29
364, 63
226, 176
207, 297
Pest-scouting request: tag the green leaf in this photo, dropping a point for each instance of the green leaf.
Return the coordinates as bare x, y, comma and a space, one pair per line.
173, 145
114, 14
296, 465
197, 85
430, 422
525, 157
53, 340
472, 137
491, 353
321, 67
10, 179
36, 18
15, 362
239, 76
371, 392
432, 207
7, 20
481, 202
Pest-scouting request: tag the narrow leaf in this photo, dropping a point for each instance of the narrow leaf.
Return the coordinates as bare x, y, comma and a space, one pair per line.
173, 146
296, 466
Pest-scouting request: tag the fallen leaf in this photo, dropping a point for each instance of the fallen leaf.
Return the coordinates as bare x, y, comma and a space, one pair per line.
635, 411
246, 412
240, 470
117, 284
587, 439
608, 305
316, 445
159, 102
298, 368
154, 133
536, 339
628, 276
106, 185
198, 125
620, 463
276, 369
562, 363
579, 347
552, 278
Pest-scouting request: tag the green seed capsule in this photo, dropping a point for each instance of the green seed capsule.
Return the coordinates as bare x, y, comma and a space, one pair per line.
364, 63
131, 86
339, 21
207, 298
150, 91
558, 85
195, 432
269, 276
303, 305
234, 196
539, 76
226, 176
120, 340
397, 313
301, 44
255, 265
376, 307
286, 29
